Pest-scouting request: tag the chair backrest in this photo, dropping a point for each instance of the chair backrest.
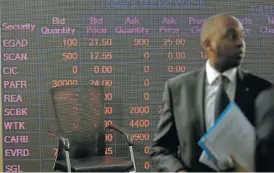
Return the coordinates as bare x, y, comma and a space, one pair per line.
79, 113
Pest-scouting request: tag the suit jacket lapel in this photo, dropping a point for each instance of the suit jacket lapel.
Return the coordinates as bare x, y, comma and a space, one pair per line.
199, 97
241, 90
199, 92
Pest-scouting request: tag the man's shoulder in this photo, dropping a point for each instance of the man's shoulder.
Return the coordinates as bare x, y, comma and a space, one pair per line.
184, 78
266, 95
258, 82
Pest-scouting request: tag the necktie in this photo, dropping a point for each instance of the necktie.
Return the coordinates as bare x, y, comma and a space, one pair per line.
222, 99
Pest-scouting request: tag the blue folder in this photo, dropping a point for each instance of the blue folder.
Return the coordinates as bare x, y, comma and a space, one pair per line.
204, 137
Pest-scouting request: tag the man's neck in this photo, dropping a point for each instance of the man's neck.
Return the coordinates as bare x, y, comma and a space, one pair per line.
220, 69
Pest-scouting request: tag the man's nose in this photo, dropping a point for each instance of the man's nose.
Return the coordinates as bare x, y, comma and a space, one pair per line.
240, 43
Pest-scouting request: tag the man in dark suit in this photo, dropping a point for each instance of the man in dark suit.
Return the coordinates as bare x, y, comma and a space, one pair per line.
265, 131
264, 125
190, 100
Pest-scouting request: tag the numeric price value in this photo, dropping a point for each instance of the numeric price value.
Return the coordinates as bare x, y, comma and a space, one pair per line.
104, 42
174, 41
101, 55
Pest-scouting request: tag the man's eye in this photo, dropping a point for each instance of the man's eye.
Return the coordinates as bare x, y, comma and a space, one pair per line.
232, 35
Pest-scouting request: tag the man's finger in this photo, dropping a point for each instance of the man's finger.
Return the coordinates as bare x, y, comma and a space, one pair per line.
237, 165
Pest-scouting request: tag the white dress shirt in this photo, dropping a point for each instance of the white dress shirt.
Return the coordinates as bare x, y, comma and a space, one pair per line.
211, 87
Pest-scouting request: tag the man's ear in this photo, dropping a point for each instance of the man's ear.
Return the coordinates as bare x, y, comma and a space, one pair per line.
206, 45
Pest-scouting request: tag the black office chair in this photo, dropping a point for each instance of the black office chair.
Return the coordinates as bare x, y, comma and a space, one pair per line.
79, 113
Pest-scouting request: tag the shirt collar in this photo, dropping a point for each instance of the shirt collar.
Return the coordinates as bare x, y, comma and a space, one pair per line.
212, 74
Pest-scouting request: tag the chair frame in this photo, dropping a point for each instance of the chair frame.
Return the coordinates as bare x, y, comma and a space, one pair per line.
65, 144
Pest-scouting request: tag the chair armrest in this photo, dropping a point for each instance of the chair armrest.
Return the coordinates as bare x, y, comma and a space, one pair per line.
64, 141
123, 132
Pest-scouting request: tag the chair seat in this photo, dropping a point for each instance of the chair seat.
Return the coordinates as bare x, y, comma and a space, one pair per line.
96, 164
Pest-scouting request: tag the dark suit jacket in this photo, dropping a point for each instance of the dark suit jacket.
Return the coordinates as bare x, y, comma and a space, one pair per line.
265, 131
182, 121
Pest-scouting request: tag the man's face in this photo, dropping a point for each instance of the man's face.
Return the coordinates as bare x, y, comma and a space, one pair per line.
227, 43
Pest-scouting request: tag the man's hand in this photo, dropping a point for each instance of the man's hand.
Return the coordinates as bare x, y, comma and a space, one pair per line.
237, 166
182, 170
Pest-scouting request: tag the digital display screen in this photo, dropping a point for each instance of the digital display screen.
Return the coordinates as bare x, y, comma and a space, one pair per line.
129, 46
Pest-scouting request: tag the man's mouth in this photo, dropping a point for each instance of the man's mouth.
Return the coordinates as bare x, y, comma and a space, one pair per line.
239, 54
